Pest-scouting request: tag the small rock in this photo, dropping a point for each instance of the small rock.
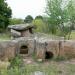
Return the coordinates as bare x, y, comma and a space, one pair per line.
38, 73
28, 62
39, 60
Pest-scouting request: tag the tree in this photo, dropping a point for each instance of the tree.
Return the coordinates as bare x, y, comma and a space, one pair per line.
71, 14
5, 14
39, 17
54, 13
28, 19
16, 21
58, 14
40, 25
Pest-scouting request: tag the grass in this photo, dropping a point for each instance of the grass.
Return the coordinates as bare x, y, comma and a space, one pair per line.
47, 67
4, 36
72, 36
53, 68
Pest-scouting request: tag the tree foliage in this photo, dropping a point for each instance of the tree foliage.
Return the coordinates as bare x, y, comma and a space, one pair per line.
28, 19
39, 17
5, 14
14, 21
40, 25
59, 13
71, 12
55, 13
70, 9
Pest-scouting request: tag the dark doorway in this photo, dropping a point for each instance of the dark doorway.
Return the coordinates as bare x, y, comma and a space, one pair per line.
30, 30
24, 50
48, 55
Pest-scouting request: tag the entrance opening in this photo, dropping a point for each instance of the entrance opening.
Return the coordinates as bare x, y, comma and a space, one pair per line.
30, 30
48, 55
24, 50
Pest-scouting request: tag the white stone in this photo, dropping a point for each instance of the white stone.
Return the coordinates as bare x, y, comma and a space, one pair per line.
40, 60
38, 73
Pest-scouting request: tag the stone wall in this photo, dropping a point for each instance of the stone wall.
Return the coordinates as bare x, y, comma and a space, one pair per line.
49, 46
40, 50
67, 49
9, 49
64, 49
25, 41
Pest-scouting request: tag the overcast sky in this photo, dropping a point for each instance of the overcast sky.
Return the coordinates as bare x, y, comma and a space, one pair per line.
22, 8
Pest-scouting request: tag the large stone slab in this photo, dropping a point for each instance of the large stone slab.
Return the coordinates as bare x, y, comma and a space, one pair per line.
67, 49
7, 50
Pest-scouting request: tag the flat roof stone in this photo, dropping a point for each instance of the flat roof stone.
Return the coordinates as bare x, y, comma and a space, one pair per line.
21, 27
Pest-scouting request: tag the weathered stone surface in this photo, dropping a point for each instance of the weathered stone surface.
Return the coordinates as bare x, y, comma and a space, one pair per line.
46, 45
22, 30
15, 34
68, 49
37, 45
21, 42
53, 46
25, 41
40, 50
21, 27
7, 50
26, 33
31, 46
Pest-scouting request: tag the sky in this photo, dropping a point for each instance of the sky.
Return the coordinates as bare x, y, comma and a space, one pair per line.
22, 8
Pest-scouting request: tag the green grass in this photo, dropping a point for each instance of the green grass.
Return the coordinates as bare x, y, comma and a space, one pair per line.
48, 68
72, 36
5, 36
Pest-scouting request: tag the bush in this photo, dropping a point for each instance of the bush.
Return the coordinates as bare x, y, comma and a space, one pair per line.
16, 62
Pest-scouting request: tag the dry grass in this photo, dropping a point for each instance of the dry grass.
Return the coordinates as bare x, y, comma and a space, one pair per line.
4, 65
